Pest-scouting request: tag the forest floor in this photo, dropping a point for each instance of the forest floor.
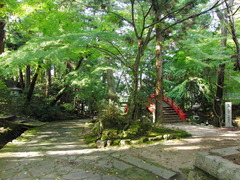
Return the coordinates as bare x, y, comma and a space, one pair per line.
57, 151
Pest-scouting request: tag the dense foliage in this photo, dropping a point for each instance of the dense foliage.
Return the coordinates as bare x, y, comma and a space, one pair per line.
79, 56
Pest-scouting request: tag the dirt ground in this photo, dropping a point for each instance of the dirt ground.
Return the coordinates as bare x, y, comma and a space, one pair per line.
234, 158
179, 155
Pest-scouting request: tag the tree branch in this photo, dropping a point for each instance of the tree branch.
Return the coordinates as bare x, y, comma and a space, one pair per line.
233, 32
133, 19
110, 53
192, 16
170, 13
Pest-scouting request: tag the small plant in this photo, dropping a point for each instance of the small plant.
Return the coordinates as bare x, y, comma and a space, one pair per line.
137, 129
110, 118
69, 107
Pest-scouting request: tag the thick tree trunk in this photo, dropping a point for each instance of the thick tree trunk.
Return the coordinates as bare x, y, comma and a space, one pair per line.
159, 64
218, 102
32, 85
159, 78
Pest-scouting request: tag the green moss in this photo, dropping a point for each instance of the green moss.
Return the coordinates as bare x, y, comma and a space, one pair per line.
186, 170
199, 174
3, 114
90, 138
140, 174
116, 142
159, 131
27, 135
138, 131
9, 131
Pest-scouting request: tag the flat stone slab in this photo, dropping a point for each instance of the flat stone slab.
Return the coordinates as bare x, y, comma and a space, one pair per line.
161, 172
214, 163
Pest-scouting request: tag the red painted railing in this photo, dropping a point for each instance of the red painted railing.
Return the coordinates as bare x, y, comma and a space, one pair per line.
171, 102
178, 110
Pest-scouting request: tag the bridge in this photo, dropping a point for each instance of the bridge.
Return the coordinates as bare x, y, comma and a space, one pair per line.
172, 113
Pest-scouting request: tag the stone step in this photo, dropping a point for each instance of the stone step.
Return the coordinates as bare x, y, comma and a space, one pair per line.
170, 115
214, 163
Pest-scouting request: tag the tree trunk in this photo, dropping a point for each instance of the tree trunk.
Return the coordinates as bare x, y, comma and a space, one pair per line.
218, 102
159, 78
28, 77
233, 30
159, 65
2, 35
2, 32
63, 90
111, 87
218, 109
21, 80
32, 85
133, 108
58, 96
48, 79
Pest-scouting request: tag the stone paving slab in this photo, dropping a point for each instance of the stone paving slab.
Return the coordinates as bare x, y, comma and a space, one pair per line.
161, 172
226, 151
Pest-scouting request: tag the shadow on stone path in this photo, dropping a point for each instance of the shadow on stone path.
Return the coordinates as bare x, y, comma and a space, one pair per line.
180, 154
57, 151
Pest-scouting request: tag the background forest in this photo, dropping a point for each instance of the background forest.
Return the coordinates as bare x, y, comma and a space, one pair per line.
85, 57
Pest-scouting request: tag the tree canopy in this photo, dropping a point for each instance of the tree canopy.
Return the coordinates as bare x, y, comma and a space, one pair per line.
78, 54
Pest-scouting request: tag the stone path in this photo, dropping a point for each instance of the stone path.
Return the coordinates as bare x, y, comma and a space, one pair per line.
179, 154
56, 151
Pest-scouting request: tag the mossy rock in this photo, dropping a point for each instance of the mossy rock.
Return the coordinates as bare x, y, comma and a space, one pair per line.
139, 132
137, 129
116, 142
91, 138
109, 134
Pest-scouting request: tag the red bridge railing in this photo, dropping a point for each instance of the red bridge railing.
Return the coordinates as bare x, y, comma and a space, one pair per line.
178, 110
171, 102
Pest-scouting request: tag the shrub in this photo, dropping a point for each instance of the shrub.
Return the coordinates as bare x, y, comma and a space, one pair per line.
68, 107
4, 96
110, 118
44, 112
136, 130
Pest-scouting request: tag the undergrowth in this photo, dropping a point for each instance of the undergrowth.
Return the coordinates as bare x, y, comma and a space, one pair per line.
111, 125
